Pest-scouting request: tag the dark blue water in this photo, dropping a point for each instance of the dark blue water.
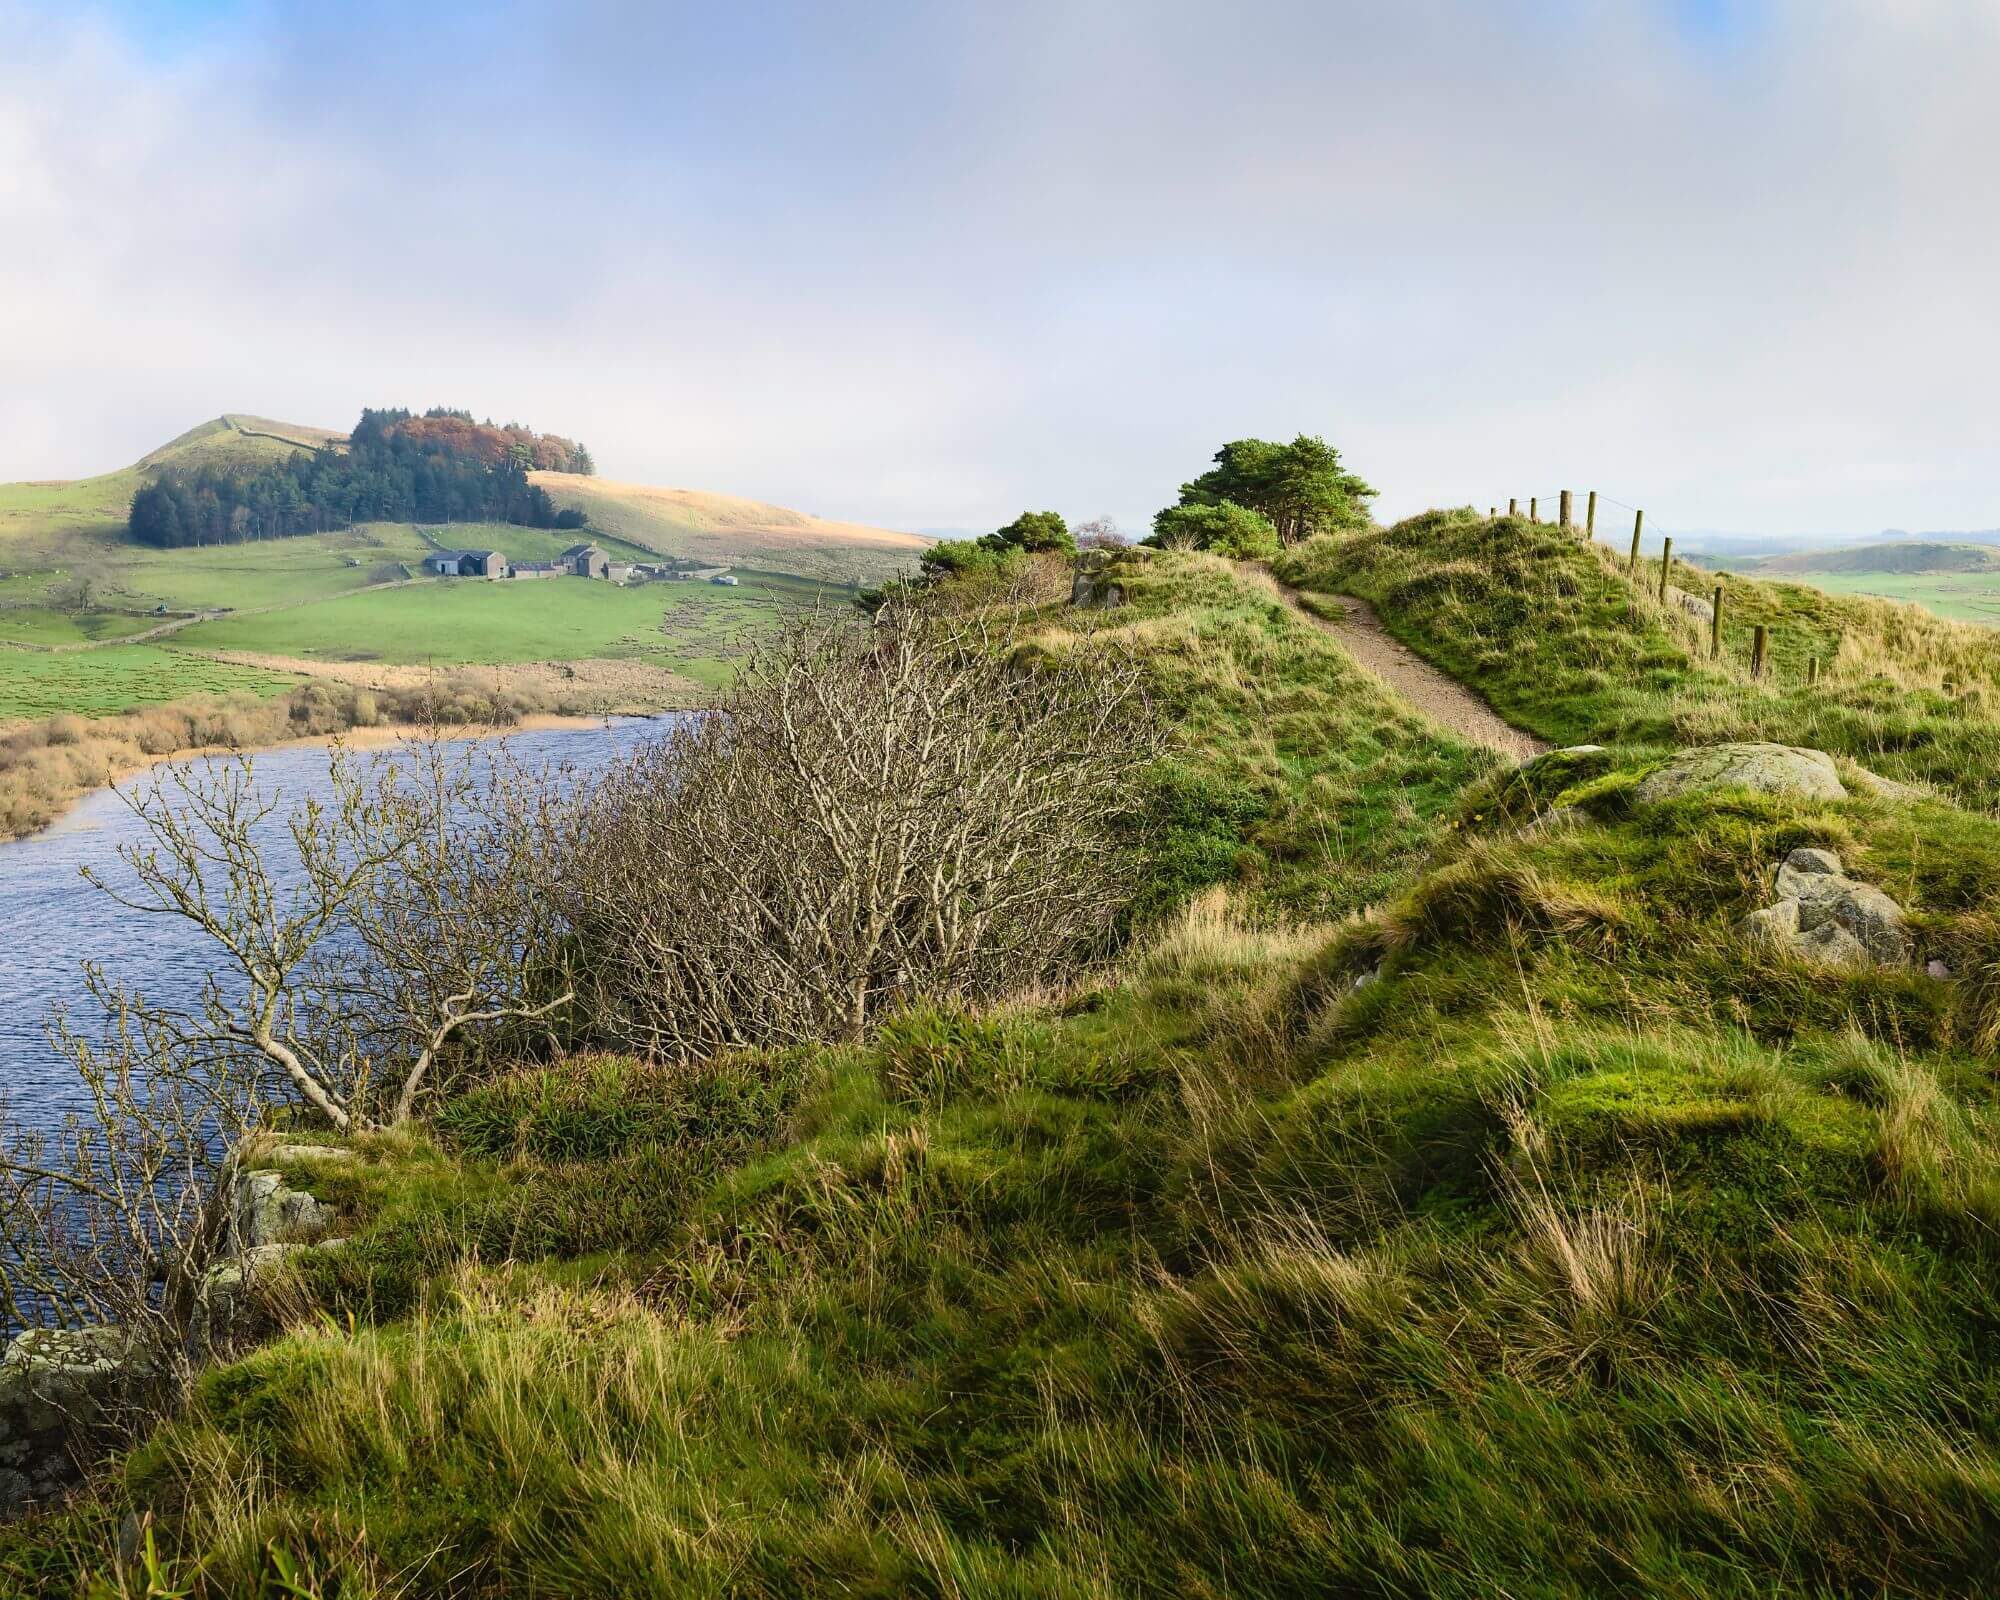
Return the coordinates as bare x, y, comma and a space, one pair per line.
51, 920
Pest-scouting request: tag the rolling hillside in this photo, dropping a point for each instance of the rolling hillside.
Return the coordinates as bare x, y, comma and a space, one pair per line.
47, 524
725, 528
1445, 1191
1918, 557
45, 519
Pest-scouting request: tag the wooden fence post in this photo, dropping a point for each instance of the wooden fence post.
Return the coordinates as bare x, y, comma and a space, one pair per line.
1565, 517
1666, 566
1513, 506
1590, 516
1638, 522
1534, 515
1757, 641
1492, 512
1715, 627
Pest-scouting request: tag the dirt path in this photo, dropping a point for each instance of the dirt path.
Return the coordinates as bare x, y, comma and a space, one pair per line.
1437, 695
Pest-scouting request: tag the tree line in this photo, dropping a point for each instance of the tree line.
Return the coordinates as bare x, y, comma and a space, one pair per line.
396, 467
1258, 497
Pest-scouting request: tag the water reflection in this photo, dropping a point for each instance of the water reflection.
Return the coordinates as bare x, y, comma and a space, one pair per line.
51, 920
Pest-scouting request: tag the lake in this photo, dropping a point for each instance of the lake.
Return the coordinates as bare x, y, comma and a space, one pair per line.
51, 921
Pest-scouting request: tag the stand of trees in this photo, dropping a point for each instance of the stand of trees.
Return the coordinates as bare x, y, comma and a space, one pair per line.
1292, 490
396, 467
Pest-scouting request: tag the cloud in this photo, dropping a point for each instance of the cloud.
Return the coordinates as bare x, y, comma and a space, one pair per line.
926, 265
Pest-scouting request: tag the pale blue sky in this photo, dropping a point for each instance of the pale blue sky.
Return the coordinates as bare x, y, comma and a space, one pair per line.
926, 264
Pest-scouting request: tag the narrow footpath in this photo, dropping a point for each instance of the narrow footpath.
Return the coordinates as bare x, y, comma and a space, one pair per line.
1436, 694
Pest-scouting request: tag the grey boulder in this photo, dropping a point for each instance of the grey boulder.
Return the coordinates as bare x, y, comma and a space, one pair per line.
268, 1212
1764, 768
58, 1386
1830, 919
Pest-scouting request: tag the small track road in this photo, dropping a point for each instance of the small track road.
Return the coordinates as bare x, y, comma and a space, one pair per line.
1436, 694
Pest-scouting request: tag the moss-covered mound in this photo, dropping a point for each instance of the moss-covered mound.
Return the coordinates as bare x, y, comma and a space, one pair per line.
1561, 641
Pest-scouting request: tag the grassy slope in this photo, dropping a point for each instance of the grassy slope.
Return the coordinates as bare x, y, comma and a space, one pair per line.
688, 627
1551, 632
726, 529
1910, 557
58, 521
1956, 596
1586, 1252
95, 683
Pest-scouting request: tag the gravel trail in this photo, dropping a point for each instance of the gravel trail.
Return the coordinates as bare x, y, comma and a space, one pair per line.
1437, 695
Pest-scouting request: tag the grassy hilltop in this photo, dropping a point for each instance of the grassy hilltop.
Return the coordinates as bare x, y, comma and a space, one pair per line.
1583, 1249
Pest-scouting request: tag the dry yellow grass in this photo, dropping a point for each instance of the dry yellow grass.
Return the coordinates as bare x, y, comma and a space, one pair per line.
730, 530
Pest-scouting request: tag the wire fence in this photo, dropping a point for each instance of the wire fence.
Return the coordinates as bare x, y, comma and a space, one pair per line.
1562, 503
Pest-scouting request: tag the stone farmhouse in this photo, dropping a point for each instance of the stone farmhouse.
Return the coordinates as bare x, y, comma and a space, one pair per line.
467, 564
578, 561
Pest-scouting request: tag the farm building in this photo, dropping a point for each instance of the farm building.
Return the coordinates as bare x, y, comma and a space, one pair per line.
587, 561
466, 563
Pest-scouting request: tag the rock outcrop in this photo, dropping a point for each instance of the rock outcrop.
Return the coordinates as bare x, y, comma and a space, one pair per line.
58, 1389
1095, 576
59, 1386
267, 1212
1764, 768
1828, 918
1693, 604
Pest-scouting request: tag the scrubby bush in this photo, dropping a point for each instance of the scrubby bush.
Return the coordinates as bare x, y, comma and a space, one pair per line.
1225, 527
879, 812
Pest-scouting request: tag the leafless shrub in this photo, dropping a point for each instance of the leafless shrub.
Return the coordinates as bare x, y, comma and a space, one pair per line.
375, 927
879, 812
117, 1218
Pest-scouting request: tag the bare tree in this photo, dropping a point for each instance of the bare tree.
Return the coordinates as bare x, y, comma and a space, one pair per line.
1100, 533
376, 926
117, 1217
879, 812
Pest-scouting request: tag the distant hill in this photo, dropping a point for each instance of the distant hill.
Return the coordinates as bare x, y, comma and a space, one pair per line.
47, 517
1916, 556
724, 528
43, 523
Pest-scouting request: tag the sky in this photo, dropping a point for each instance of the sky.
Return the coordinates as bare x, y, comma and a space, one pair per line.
927, 264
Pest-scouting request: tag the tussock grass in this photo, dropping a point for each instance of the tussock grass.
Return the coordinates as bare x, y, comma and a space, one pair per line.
45, 766
1551, 631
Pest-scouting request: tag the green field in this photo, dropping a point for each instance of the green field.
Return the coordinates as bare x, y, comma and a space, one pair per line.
690, 627
94, 683
72, 588
39, 606
1961, 596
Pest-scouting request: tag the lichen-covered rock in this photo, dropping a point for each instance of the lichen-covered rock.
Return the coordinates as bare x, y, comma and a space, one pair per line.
1779, 924
1878, 787
57, 1387
1693, 604
1808, 862
1764, 768
1095, 575
268, 1212
1829, 918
